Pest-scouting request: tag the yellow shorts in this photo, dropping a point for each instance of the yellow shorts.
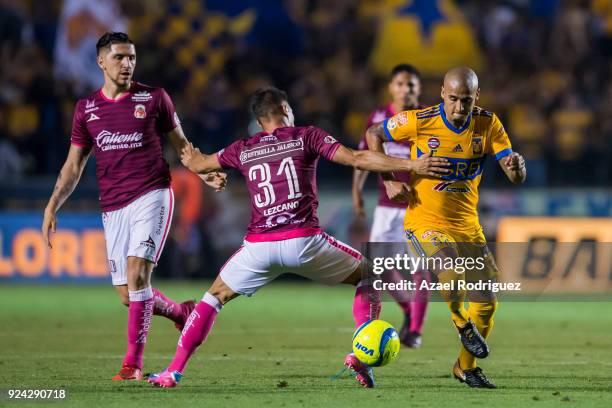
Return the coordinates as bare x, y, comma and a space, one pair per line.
470, 245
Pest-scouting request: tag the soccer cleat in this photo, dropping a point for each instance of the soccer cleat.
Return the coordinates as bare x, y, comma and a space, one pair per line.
412, 340
165, 379
473, 341
363, 373
187, 307
474, 378
128, 373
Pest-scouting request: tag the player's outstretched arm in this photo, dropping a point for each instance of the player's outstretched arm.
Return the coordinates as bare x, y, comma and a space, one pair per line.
514, 167
197, 162
215, 180
69, 176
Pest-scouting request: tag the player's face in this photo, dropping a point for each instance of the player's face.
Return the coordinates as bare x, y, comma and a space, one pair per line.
405, 89
459, 101
118, 63
289, 119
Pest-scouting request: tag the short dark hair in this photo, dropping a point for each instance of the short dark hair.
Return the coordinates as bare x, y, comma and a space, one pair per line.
404, 68
112, 37
267, 101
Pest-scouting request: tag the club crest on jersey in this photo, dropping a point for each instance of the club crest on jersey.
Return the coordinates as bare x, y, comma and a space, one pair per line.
329, 139
458, 148
433, 142
140, 112
142, 96
477, 145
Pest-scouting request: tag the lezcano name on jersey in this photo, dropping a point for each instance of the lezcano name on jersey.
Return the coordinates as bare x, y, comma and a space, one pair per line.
292, 205
266, 151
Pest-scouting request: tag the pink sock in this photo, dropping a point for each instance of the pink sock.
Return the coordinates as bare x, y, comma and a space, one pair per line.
198, 325
366, 305
140, 312
167, 307
418, 306
401, 297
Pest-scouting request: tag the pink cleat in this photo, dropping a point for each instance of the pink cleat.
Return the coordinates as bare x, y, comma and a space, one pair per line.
165, 379
187, 307
363, 373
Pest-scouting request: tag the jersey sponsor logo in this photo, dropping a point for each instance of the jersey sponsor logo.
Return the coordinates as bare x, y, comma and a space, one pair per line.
433, 142
149, 243
93, 116
140, 112
142, 96
271, 150
329, 139
268, 138
457, 148
477, 145
279, 219
113, 141
464, 169
446, 187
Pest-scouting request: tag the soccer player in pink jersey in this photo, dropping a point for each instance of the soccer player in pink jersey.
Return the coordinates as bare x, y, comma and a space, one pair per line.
279, 165
393, 193
123, 124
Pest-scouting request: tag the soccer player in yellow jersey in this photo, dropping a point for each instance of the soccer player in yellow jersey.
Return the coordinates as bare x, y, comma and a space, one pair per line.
442, 218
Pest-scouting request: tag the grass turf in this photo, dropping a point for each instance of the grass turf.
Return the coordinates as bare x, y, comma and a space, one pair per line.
281, 347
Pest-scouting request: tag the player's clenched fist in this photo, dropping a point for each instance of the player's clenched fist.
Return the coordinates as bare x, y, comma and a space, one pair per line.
515, 162
426, 165
48, 225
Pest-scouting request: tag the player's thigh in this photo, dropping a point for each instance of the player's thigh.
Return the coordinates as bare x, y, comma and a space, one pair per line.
428, 242
387, 224
150, 219
482, 267
325, 259
250, 267
117, 235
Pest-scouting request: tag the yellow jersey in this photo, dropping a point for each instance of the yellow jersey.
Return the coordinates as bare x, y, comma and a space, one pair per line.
450, 202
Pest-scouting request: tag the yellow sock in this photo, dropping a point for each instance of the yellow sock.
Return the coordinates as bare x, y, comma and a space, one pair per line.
454, 299
482, 316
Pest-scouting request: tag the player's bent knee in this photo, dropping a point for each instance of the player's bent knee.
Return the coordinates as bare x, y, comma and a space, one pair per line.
355, 277
221, 291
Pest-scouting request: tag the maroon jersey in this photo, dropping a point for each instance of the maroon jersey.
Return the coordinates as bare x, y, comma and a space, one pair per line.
280, 172
126, 135
395, 149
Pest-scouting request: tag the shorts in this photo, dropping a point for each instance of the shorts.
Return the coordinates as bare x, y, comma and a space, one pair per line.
469, 244
318, 257
388, 224
139, 229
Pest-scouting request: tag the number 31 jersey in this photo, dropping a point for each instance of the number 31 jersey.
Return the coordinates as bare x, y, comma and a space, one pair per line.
280, 172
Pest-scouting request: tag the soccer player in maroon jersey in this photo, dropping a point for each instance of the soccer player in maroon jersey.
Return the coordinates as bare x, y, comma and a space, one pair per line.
388, 222
123, 124
279, 165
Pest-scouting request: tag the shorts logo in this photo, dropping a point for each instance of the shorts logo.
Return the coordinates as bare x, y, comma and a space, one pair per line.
477, 145
329, 139
149, 243
433, 142
428, 233
140, 112
111, 266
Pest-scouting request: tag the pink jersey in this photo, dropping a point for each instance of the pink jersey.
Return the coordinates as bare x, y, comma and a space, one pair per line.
126, 135
392, 149
280, 172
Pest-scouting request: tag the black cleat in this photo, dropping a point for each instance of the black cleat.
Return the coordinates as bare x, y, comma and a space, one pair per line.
473, 341
474, 378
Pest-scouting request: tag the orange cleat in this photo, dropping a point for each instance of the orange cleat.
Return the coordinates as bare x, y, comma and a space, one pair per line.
128, 373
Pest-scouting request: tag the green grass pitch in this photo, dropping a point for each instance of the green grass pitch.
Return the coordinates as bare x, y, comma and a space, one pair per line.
280, 348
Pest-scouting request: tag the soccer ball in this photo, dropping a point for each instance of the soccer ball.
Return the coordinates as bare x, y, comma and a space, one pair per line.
376, 343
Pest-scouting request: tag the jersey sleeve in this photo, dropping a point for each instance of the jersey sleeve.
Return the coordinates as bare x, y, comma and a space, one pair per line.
167, 119
79, 135
319, 142
401, 127
500, 143
229, 158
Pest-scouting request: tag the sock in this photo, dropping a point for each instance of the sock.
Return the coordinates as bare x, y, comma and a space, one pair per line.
167, 307
198, 325
418, 306
401, 297
454, 299
482, 316
140, 312
366, 305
